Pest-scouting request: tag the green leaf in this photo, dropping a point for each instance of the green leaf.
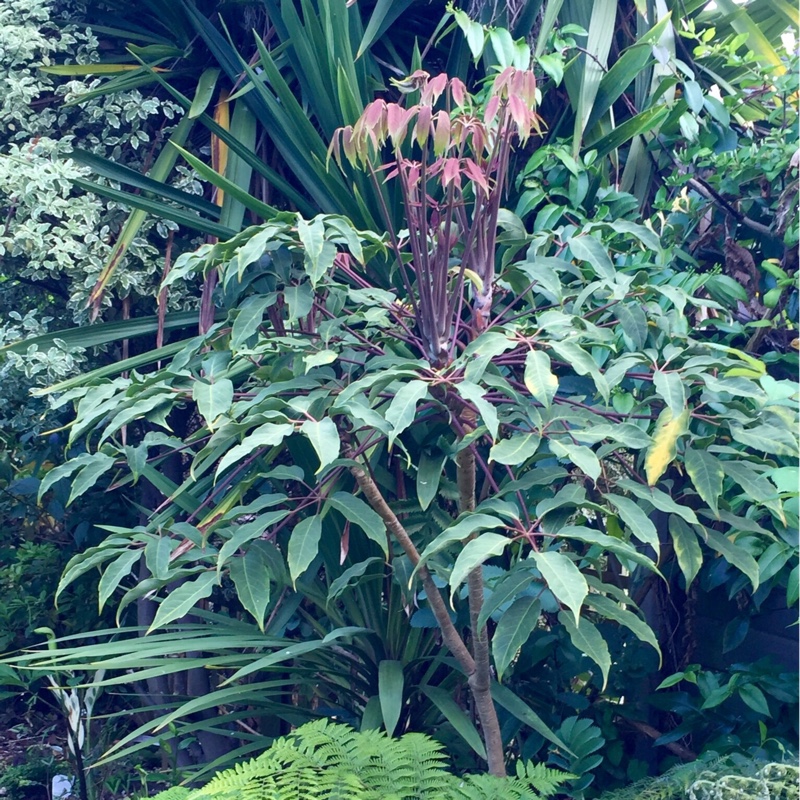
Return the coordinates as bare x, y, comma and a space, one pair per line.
390, 692
661, 500
707, 474
606, 607
504, 697
733, 554
357, 511
115, 572
474, 554
644, 121
581, 456
429, 474
319, 252
504, 591
270, 434
403, 407
248, 531
587, 248
687, 549
587, 640
213, 399
754, 697
519, 448
250, 576
356, 571
82, 461
458, 532
639, 524
609, 543
539, 379
453, 713
324, 439
563, 578
669, 386
249, 318
206, 84
634, 323
157, 555
300, 300
303, 546
513, 630
181, 600
664, 448
475, 395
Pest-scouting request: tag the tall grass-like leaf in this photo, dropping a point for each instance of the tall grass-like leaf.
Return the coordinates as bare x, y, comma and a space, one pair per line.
741, 22
390, 693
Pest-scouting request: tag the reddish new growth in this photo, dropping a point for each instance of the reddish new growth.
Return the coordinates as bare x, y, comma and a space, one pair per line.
451, 190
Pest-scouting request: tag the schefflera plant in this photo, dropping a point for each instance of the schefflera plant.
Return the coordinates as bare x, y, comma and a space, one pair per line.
536, 419
452, 166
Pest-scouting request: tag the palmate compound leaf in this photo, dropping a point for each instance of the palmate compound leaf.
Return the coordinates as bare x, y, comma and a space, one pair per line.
588, 640
662, 452
563, 578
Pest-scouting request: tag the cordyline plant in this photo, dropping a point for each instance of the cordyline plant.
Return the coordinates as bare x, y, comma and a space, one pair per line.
544, 419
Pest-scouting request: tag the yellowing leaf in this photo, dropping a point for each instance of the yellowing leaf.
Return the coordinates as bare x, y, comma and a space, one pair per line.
662, 452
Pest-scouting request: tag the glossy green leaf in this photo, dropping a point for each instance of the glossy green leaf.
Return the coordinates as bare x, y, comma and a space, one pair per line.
610, 610
539, 379
513, 630
303, 546
563, 578
504, 697
515, 450
707, 475
181, 600
429, 474
638, 522
687, 549
251, 577
453, 713
358, 512
475, 553
116, 572
733, 554
403, 407
588, 640
213, 399
390, 692
270, 434
324, 439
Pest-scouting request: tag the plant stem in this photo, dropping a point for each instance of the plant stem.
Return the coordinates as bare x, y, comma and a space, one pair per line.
480, 679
